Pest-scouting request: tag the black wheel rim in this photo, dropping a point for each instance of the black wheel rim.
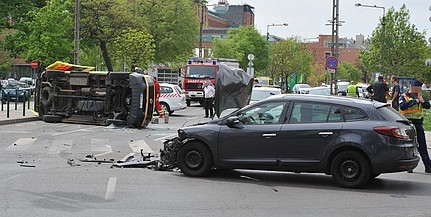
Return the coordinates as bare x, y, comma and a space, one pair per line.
350, 170
194, 159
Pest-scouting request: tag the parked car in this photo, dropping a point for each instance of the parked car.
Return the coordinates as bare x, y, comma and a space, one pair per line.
351, 139
260, 93
301, 89
172, 98
31, 83
16, 90
321, 90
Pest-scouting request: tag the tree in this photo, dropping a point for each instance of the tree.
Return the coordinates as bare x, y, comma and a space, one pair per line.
405, 48
136, 47
174, 27
288, 57
349, 72
240, 43
46, 35
102, 21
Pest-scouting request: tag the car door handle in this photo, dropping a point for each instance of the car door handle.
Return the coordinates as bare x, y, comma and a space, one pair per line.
269, 135
325, 134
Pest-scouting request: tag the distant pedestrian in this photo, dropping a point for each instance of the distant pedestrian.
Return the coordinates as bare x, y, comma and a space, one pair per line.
209, 93
395, 93
352, 90
378, 90
411, 106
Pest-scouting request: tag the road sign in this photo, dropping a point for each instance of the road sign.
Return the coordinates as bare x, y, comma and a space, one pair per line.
332, 62
34, 64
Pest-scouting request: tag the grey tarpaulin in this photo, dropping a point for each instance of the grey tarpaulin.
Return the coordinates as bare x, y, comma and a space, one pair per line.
233, 88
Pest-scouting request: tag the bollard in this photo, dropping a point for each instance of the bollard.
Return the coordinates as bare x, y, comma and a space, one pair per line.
16, 99
166, 117
23, 106
7, 104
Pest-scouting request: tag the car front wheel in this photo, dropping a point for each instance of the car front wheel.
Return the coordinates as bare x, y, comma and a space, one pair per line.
194, 159
350, 169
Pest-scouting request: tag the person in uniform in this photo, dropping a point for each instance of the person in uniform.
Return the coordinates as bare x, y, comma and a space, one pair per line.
411, 106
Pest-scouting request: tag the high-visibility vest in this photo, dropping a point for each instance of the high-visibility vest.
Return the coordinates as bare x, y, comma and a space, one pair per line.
351, 91
414, 112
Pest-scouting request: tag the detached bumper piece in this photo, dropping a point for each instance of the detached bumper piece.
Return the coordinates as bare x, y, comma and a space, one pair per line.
132, 162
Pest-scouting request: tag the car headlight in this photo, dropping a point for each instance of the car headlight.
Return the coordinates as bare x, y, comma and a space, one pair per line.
181, 134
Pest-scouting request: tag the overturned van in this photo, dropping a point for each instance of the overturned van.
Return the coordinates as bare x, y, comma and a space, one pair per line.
76, 94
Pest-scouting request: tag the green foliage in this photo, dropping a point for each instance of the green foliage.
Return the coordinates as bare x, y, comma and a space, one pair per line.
240, 43
349, 72
46, 36
405, 48
290, 56
136, 47
174, 27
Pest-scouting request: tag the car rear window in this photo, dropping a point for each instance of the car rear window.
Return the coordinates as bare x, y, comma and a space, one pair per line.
391, 114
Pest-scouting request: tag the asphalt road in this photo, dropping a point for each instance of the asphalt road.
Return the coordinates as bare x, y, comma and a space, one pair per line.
41, 175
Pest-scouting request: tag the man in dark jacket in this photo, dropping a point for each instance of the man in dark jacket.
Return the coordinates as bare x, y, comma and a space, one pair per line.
379, 89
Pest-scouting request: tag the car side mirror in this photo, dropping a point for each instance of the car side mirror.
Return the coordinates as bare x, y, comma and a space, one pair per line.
233, 122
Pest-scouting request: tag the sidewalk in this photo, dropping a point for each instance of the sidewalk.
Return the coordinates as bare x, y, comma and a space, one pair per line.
19, 115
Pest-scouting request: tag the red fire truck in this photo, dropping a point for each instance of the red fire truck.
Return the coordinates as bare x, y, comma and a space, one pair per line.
194, 75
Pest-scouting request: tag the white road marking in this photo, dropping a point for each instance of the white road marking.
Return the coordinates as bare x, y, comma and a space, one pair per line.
13, 177
136, 146
60, 146
78, 130
101, 146
110, 189
21, 144
170, 136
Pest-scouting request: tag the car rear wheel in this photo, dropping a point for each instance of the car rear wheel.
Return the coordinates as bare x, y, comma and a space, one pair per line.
350, 169
194, 159
165, 107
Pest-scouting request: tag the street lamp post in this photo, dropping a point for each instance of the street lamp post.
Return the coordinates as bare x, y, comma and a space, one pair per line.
267, 28
383, 22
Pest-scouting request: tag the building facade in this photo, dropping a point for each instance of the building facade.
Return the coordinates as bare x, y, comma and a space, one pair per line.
216, 23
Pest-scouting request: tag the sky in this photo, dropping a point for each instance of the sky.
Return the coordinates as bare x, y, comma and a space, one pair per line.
309, 18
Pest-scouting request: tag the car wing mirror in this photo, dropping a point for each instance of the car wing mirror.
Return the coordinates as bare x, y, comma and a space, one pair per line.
233, 122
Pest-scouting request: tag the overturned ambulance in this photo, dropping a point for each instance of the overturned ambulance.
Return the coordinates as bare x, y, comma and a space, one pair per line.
76, 94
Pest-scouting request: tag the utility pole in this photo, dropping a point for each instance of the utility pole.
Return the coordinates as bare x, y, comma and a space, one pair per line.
76, 35
334, 47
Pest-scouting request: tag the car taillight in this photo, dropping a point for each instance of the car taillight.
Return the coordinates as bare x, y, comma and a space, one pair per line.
392, 131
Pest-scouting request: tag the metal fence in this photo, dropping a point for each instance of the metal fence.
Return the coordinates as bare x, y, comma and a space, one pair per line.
15, 102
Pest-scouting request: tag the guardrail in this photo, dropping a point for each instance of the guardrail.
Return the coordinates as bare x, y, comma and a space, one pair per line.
6, 100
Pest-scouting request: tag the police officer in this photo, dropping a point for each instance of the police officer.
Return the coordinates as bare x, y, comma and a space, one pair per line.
411, 105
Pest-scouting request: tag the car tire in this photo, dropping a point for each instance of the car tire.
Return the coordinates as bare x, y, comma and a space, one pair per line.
188, 102
350, 169
194, 159
52, 118
165, 107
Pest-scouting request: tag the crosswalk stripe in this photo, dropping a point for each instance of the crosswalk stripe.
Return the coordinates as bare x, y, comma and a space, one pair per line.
136, 146
21, 144
59, 146
100, 146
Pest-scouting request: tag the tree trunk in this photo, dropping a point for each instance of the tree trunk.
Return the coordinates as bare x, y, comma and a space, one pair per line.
106, 56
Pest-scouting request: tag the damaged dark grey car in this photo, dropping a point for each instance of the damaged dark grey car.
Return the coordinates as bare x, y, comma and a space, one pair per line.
351, 139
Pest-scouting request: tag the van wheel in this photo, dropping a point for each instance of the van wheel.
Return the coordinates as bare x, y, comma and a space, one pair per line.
52, 118
350, 169
46, 96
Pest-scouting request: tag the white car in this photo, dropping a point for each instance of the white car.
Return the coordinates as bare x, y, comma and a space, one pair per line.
172, 98
259, 93
301, 89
